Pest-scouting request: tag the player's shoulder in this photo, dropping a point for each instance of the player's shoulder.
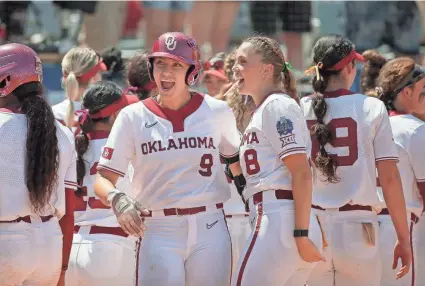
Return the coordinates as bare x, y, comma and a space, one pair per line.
278, 100
66, 138
214, 103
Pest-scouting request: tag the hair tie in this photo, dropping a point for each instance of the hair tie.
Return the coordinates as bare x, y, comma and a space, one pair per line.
82, 114
379, 91
287, 67
315, 68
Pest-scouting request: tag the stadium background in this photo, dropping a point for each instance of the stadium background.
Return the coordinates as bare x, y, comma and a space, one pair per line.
41, 20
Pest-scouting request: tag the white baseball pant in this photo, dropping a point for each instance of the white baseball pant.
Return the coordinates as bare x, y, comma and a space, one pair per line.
350, 241
187, 250
30, 253
387, 240
270, 256
239, 229
419, 244
101, 259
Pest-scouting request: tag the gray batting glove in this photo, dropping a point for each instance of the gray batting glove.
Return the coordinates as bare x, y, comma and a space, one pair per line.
127, 210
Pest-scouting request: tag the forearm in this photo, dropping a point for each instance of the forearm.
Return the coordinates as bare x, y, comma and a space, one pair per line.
302, 192
235, 168
102, 188
67, 226
394, 199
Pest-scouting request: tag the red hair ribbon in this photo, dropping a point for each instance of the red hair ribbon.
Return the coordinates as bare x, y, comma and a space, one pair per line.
82, 114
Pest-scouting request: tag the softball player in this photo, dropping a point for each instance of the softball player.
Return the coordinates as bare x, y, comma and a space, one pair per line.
80, 67
101, 252
275, 163
351, 137
37, 174
399, 84
174, 141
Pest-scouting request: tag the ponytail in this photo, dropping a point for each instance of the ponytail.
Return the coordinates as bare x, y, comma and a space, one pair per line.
72, 89
289, 85
82, 145
371, 69
324, 161
42, 158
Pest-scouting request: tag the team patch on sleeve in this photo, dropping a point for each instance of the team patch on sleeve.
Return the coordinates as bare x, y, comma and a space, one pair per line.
107, 153
285, 128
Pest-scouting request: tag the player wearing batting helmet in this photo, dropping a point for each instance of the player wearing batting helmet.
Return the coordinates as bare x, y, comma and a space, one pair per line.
37, 176
174, 140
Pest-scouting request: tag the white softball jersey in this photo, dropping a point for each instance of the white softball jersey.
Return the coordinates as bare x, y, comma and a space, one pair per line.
362, 136
89, 210
175, 154
14, 196
277, 130
409, 137
60, 112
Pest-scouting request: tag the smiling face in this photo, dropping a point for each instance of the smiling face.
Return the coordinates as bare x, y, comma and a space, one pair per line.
248, 69
170, 75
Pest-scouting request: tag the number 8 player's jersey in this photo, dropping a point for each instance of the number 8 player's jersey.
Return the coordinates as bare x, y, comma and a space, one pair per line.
277, 130
175, 154
89, 210
362, 136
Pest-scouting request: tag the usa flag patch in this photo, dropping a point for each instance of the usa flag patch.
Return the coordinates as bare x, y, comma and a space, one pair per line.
107, 153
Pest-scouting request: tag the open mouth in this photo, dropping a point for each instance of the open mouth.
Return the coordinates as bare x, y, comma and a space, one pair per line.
167, 85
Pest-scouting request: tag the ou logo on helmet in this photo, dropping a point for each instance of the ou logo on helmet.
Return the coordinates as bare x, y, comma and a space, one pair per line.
171, 43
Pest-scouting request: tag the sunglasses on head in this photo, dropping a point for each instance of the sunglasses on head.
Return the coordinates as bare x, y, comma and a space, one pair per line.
413, 77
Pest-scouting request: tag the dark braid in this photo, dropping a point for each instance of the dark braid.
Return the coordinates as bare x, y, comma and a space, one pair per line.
42, 160
327, 51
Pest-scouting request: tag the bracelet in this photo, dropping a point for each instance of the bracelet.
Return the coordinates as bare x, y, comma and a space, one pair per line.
300, 232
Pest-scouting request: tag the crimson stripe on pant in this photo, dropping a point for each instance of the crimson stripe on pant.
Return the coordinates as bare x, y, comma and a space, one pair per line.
138, 245
251, 245
413, 255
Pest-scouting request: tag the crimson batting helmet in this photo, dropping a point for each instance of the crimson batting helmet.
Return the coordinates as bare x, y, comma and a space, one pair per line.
19, 64
179, 47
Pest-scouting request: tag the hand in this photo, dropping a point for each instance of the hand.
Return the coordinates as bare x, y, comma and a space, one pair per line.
127, 211
61, 281
402, 251
308, 251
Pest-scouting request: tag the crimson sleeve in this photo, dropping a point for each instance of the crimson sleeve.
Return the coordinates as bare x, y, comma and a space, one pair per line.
67, 226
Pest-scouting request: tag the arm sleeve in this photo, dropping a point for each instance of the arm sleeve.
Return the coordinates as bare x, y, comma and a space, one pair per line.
230, 138
285, 127
119, 149
383, 144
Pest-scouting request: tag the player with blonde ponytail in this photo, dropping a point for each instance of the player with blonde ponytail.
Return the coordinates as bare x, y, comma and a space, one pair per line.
81, 67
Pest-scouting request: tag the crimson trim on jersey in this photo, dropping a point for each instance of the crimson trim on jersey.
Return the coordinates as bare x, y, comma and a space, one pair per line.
138, 246
395, 113
296, 149
99, 167
71, 184
176, 117
98, 134
386, 159
230, 156
337, 93
11, 109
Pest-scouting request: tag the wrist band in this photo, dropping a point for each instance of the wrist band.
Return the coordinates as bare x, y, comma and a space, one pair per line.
300, 232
